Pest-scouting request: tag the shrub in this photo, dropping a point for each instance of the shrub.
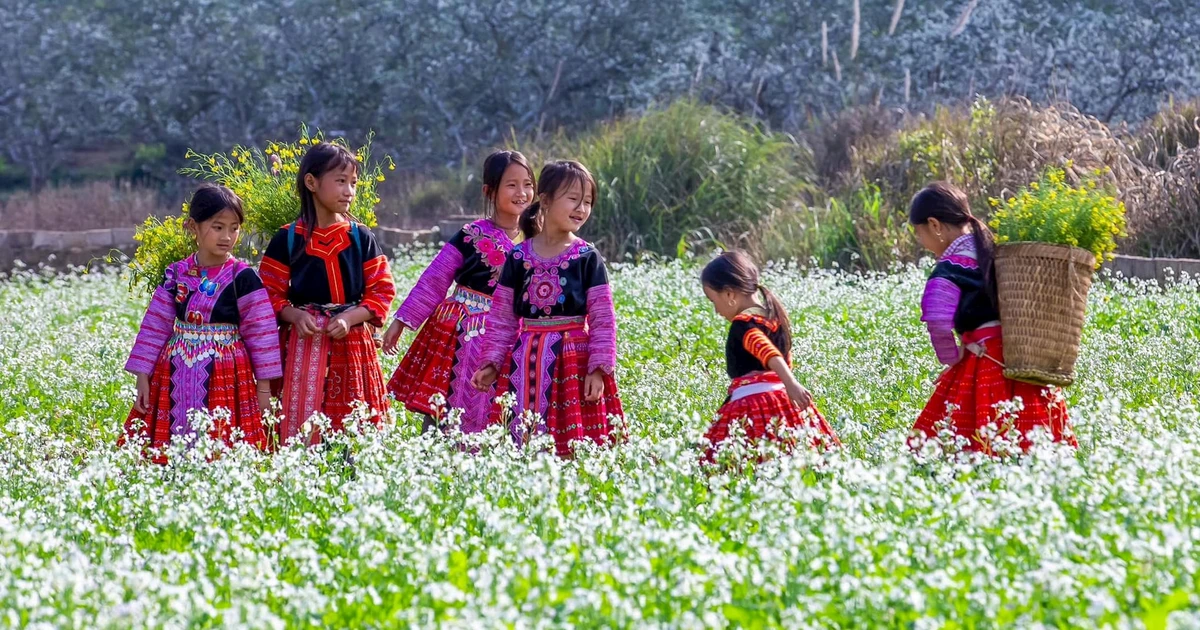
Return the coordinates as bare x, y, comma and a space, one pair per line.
1052, 210
265, 179
992, 149
857, 231
684, 174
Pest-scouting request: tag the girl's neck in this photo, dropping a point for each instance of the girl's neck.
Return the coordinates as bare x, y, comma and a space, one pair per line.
507, 222
210, 259
555, 238
955, 234
326, 217
747, 301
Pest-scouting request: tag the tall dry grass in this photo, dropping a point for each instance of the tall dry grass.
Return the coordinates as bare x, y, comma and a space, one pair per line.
93, 205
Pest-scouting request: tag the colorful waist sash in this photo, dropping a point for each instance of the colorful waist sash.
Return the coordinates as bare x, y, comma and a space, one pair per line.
553, 324
195, 342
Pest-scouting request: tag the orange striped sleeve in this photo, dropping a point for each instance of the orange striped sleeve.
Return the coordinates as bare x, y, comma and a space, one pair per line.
760, 347
276, 277
380, 288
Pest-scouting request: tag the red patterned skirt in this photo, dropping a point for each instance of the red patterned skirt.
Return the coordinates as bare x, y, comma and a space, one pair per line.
443, 358
761, 404
328, 375
973, 392
546, 375
203, 366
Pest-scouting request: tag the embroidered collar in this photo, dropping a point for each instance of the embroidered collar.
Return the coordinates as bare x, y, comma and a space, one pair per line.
575, 250
961, 252
757, 315
489, 227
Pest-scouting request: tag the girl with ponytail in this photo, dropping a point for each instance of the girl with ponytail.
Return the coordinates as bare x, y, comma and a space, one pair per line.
446, 352
552, 333
758, 359
960, 297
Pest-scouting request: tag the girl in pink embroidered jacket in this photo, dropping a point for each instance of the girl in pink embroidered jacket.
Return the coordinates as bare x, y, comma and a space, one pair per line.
552, 332
446, 353
972, 400
207, 338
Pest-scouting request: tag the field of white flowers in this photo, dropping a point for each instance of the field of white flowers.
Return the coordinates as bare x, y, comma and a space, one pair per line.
420, 532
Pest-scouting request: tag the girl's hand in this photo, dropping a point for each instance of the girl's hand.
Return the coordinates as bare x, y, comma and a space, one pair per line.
142, 402
264, 396
593, 386
392, 337
303, 321
338, 327
799, 395
485, 378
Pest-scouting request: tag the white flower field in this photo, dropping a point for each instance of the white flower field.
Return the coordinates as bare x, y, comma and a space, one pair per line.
394, 528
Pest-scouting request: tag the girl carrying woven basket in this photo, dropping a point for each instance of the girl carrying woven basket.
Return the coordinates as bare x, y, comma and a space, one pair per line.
973, 407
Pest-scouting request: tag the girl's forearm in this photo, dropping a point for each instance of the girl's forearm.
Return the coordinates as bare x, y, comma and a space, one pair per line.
780, 367
357, 315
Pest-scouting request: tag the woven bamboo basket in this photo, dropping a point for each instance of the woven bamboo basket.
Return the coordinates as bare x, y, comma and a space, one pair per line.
1043, 292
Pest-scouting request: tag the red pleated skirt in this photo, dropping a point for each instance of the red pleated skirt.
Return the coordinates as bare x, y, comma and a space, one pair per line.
972, 394
330, 376
443, 358
762, 413
546, 375
207, 367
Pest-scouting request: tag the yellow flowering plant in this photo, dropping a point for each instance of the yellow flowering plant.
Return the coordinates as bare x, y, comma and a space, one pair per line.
1052, 210
265, 179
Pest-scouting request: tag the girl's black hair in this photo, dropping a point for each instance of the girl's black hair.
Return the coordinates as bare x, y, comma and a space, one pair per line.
320, 159
949, 204
735, 270
493, 173
210, 199
556, 178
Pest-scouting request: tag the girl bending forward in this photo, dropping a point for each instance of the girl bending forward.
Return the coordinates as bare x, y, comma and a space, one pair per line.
764, 394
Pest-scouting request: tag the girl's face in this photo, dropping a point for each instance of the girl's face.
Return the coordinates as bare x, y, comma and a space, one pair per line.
932, 236
335, 190
568, 211
726, 303
217, 236
515, 191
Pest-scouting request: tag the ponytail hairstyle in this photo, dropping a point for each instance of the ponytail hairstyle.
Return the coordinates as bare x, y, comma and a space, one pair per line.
735, 270
556, 178
948, 204
320, 159
493, 172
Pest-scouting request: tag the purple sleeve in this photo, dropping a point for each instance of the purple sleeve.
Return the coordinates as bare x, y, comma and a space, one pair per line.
156, 328
431, 288
260, 333
938, 307
502, 328
602, 329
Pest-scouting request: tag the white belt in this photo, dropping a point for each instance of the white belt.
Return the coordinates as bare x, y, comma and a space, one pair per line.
755, 388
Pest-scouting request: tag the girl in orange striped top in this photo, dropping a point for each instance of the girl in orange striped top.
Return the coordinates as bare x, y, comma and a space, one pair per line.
764, 395
327, 279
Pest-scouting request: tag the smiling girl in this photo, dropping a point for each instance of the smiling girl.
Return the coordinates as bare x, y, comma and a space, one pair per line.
328, 278
447, 351
208, 340
552, 334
